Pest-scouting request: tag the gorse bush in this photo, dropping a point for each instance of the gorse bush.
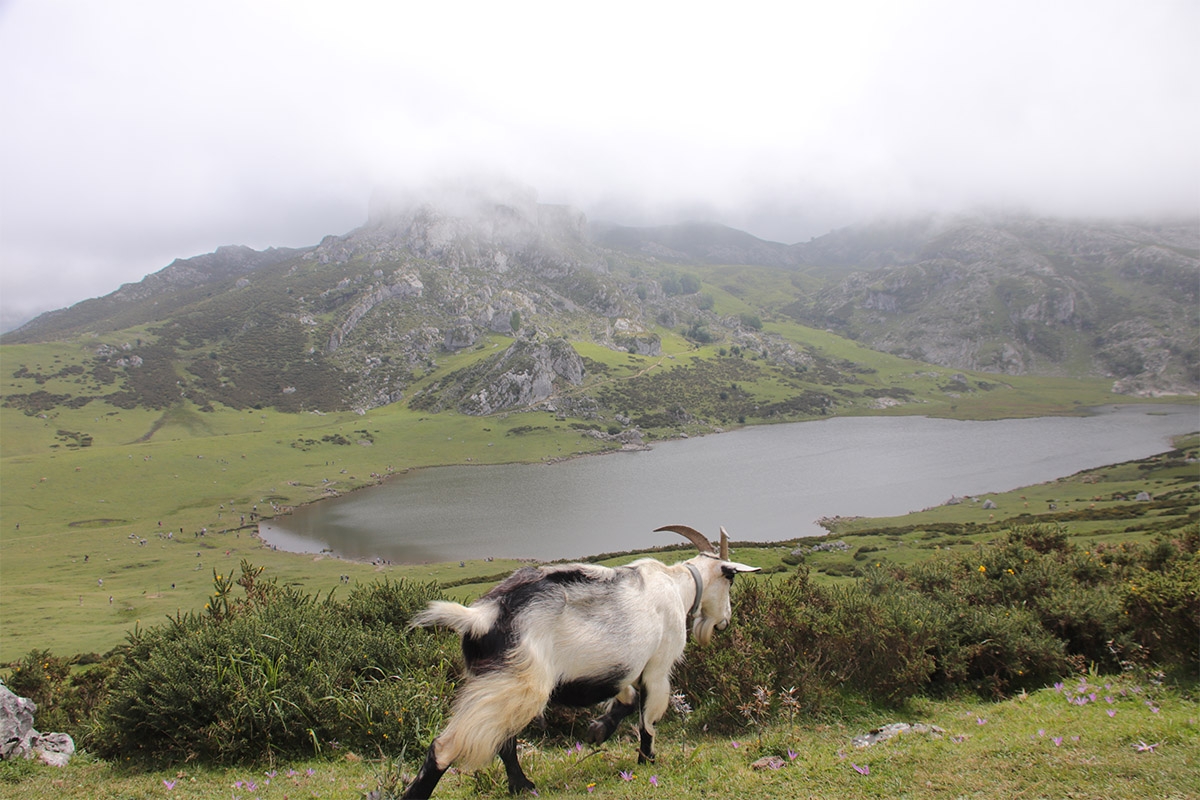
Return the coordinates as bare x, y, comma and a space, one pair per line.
66, 698
1018, 613
276, 672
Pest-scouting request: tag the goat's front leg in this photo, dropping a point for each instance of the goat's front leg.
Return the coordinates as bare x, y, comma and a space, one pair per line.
624, 704
656, 696
517, 782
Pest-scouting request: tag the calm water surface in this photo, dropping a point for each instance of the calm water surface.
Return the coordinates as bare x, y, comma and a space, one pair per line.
763, 483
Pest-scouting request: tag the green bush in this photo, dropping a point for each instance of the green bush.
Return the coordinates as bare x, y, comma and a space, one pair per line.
279, 673
1161, 610
1018, 613
66, 696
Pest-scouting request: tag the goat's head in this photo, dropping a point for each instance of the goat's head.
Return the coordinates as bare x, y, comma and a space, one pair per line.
716, 573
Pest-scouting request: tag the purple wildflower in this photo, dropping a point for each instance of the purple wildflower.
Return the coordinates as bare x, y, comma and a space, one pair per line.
1058, 686
169, 784
310, 772
980, 721
1057, 741
1112, 712
1041, 731
863, 770
654, 780
1108, 699
1142, 747
791, 754
626, 776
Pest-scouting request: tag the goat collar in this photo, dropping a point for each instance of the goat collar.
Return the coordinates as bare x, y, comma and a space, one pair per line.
699, 590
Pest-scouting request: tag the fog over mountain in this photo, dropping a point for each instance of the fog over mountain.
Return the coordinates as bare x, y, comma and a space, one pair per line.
142, 132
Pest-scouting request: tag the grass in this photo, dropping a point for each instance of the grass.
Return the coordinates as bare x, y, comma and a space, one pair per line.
1056, 742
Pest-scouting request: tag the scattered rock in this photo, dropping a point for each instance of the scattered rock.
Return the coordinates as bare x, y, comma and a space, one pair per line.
895, 729
768, 762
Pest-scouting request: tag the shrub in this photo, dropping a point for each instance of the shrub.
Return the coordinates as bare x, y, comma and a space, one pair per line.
66, 699
1018, 613
279, 673
1160, 612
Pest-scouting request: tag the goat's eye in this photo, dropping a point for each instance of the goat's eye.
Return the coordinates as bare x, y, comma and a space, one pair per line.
729, 572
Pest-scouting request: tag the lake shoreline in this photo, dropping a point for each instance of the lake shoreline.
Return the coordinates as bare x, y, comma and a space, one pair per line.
278, 539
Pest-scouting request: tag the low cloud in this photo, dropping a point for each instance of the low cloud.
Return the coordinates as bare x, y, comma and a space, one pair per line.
140, 132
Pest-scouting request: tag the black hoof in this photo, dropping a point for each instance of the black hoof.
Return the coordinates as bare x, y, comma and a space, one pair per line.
522, 787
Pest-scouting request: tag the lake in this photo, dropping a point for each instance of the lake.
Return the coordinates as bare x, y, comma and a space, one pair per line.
763, 483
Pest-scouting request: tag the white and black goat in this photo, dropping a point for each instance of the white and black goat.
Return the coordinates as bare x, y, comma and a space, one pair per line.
574, 634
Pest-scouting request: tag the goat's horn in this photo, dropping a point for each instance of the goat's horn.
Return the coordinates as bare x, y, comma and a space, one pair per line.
692, 535
724, 544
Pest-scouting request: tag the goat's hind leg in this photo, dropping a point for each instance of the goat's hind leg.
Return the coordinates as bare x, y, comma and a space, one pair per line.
624, 704
427, 778
517, 782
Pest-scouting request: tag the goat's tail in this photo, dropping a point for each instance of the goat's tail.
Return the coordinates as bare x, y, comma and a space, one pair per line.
475, 620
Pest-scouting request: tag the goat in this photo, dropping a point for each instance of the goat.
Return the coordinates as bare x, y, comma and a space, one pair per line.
575, 635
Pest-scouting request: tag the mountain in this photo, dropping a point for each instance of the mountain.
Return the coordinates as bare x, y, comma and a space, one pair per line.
695, 243
1019, 295
531, 305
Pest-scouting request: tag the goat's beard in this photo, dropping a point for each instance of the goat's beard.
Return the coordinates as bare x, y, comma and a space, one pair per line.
702, 629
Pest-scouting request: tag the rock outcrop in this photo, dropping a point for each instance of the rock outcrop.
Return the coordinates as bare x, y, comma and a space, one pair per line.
19, 739
526, 374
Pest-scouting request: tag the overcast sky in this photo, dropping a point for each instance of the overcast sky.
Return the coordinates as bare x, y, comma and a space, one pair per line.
137, 132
